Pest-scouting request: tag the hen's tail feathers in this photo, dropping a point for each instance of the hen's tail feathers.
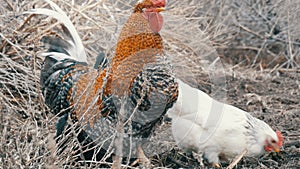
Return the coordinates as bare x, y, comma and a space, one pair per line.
72, 47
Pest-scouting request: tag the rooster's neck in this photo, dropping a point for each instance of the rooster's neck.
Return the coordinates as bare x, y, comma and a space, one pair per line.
137, 46
135, 37
135, 25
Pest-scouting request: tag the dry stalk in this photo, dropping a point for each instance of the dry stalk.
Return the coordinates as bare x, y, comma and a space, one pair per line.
236, 160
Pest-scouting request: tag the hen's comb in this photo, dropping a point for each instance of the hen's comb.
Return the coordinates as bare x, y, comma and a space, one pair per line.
280, 138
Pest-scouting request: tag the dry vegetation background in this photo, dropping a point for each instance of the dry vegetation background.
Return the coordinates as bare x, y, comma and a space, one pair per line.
257, 40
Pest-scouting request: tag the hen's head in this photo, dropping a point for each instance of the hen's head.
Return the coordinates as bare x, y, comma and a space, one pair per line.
273, 143
150, 10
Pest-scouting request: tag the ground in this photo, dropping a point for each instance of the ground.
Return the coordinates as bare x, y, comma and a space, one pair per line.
270, 93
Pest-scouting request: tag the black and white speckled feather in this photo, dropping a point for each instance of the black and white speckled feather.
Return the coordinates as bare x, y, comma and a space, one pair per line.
152, 93
57, 79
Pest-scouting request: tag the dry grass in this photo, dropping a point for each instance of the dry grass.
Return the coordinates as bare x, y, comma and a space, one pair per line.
262, 35
268, 33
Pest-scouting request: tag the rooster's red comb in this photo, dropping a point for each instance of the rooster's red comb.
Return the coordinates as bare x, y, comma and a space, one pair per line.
280, 138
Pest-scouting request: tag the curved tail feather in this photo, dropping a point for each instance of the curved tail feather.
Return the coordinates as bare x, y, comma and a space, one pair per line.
74, 44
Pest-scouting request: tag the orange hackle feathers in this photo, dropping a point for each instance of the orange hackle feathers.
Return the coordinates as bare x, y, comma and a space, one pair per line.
137, 46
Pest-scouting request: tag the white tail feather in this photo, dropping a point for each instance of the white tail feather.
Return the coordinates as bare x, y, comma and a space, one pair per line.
77, 51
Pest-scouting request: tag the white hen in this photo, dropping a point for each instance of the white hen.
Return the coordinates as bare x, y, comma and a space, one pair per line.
202, 124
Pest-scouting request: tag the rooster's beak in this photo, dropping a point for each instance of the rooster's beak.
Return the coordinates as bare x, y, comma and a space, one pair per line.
160, 9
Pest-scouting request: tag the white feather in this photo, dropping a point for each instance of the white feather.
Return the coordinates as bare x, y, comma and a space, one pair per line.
202, 124
56, 55
77, 51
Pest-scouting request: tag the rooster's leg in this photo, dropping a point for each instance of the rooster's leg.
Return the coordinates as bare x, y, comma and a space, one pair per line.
143, 160
215, 165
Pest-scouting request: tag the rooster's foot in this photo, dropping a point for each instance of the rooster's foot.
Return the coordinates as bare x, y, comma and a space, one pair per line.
215, 165
142, 159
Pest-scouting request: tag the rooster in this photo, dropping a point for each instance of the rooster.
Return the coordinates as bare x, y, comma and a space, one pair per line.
201, 124
136, 73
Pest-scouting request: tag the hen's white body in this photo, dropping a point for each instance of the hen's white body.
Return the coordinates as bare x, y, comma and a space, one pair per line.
202, 124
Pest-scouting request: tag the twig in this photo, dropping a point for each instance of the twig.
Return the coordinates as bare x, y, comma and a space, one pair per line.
237, 159
36, 81
9, 5
250, 31
119, 140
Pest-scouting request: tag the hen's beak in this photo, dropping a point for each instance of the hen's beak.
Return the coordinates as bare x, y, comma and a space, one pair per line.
160, 9
276, 149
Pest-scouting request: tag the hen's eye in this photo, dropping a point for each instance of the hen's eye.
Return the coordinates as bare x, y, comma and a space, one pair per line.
273, 141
